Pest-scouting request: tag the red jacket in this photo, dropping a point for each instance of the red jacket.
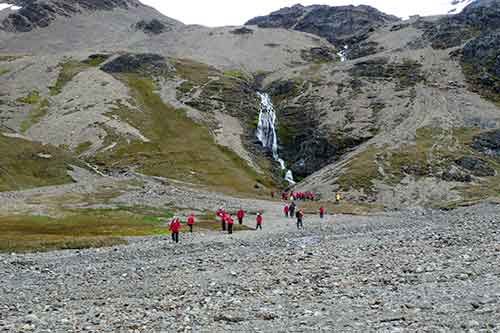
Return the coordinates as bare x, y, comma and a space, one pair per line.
322, 210
175, 226
223, 216
259, 219
286, 209
230, 220
241, 214
191, 220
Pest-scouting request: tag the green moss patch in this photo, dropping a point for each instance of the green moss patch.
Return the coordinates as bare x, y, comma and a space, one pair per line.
68, 71
195, 72
37, 114
179, 148
32, 164
361, 172
32, 98
4, 71
9, 58
79, 229
95, 60
83, 147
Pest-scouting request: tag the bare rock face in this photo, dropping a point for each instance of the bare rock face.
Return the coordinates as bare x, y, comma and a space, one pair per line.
452, 31
481, 60
41, 13
340, 25
488, 143
148, 64
153, 27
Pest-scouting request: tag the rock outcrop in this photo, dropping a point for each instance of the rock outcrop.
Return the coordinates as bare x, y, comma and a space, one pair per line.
340, 25
41, 13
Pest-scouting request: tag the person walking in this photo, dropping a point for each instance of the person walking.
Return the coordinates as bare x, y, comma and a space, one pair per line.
300, 216
240, 215
286, 210
322, 212
221, 213
230, 223
337, 198
259, 219
190, 222
292, 209
175, 227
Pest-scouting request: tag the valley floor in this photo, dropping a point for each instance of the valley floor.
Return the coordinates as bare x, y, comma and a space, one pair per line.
417, 270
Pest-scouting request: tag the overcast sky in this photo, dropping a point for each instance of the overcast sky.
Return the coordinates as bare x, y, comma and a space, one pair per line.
236, 12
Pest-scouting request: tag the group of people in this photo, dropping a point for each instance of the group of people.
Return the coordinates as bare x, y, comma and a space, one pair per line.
227, 222
294, 196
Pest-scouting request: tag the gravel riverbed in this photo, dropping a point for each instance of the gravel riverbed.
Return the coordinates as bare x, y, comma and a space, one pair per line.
415, 270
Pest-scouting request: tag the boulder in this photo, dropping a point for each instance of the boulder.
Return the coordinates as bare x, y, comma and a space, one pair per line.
145, 63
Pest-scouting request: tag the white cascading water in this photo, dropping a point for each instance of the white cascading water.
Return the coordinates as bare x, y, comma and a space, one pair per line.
266, 132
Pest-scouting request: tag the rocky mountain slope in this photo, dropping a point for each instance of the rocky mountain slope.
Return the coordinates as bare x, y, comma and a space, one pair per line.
340, 25
410, 117
120, 87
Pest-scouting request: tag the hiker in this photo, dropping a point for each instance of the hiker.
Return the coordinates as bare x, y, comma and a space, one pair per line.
291, 209
286, 210
175, 227
259, 219
300, 216
230, 223
190, 222
240, 215
337, 198
221, 213
322, 212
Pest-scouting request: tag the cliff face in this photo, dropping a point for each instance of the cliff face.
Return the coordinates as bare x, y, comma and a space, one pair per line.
41, 13
340, 25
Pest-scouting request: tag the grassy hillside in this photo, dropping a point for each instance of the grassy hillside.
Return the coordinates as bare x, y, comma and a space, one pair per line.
179, 148
25, 164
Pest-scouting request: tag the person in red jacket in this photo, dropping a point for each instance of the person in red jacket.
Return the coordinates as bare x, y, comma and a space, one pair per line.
190, 222
322, 212
221, 213
240, 215
259, 219
175, 228
230, 223
286, 210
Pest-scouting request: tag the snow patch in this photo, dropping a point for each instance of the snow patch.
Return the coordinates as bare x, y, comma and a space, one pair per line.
9, 6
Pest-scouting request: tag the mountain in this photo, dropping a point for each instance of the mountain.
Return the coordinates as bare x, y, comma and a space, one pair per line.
340, 25
116, 86
407, 114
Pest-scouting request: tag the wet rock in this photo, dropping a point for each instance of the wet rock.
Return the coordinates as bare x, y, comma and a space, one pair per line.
488, 143
478, 167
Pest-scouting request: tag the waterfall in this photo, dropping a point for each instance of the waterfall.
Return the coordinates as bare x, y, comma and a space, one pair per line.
266, 132
343, 53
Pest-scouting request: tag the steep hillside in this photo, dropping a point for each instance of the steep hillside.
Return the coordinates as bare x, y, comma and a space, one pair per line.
415, 123
118, 85
407, 114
